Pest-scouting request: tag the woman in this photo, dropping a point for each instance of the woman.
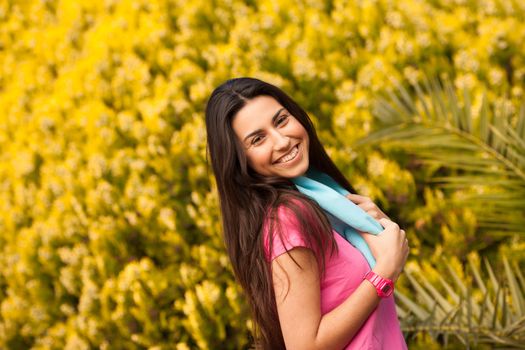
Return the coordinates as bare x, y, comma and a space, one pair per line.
305, 283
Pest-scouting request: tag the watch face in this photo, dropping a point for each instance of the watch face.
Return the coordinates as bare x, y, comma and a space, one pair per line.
385, 289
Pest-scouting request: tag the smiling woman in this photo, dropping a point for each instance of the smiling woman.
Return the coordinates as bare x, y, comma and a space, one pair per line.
307, 286
276, 144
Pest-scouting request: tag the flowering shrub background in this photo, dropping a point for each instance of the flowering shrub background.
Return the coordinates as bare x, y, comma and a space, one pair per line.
109, 221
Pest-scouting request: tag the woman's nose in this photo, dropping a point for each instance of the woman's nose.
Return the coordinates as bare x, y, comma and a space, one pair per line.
281, 141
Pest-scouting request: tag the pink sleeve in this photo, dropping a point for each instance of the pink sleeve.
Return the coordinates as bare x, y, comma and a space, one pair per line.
291, 234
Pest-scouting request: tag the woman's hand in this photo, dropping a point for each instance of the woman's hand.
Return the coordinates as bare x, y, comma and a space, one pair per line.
367, 205
390, 248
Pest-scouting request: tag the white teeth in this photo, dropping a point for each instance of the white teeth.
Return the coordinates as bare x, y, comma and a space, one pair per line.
290, 155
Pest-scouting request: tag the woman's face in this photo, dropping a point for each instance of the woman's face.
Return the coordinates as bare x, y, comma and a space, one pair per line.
276, 144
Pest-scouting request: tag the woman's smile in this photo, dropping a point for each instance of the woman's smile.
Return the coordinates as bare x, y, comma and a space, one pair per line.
289, 157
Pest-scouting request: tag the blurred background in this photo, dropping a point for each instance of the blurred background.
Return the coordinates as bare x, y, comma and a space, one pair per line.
110, 233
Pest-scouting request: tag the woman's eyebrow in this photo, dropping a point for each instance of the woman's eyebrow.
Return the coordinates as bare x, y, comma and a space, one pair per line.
259, 130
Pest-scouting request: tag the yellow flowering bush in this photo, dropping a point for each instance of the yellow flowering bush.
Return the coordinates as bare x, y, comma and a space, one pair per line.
110, 231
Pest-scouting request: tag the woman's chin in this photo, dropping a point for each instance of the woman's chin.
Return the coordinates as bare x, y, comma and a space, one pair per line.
296, 171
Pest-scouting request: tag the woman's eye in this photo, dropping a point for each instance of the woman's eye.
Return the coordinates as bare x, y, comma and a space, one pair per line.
256, 140
282, 119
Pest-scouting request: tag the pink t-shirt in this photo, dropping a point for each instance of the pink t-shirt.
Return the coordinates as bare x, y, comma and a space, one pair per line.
344, 272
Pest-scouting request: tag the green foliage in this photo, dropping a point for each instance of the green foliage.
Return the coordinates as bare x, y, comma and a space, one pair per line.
466, 306
483, 149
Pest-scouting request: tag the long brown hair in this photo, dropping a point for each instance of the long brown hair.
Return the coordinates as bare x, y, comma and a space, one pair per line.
248, 200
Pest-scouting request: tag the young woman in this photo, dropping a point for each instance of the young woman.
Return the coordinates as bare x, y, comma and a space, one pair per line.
305, 283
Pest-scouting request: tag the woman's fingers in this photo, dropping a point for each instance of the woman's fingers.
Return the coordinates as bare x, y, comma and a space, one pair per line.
367, 205
387, 223
357, 199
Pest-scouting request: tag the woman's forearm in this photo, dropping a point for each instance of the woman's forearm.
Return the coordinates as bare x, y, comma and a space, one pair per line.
339, 326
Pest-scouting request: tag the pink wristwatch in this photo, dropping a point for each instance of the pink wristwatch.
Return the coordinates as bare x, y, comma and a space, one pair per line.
384, 286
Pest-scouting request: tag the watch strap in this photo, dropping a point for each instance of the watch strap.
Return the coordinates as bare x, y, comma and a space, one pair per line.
383, 286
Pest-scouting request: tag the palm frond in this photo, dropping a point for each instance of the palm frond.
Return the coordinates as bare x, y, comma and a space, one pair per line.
487, 310
482, 148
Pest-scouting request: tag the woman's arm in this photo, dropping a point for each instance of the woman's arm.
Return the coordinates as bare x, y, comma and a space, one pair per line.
297, 291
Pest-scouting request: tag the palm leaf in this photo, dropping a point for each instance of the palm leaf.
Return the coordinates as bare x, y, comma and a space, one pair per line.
486, 148
489, 310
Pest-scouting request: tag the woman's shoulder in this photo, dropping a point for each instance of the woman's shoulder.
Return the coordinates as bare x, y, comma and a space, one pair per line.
286, 222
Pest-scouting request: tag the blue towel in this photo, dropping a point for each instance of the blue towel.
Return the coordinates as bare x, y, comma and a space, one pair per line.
344, 215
